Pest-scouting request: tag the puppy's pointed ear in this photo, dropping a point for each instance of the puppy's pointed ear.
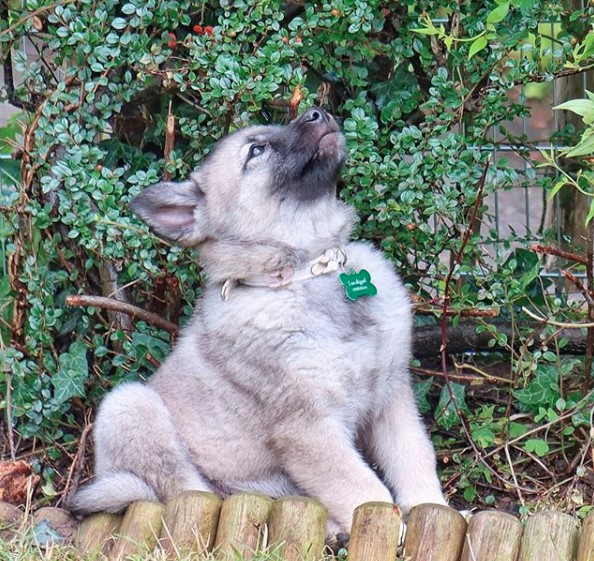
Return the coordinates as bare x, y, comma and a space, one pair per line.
176, 211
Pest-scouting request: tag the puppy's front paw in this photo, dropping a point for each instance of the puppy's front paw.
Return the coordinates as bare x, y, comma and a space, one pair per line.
337, 539
338, 544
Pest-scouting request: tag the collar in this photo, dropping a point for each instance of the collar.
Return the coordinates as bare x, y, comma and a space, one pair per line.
329, 262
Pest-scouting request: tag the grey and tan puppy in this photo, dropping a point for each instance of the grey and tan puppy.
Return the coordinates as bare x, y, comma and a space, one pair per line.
280, 383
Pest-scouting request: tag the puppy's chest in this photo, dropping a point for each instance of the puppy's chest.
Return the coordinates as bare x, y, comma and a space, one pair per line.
329, 342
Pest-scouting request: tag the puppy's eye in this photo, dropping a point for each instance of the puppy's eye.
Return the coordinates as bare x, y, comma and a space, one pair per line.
256, 150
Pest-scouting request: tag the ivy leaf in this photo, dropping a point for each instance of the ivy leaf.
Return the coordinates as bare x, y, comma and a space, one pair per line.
543, 390
421, 390
156, 347
73, 370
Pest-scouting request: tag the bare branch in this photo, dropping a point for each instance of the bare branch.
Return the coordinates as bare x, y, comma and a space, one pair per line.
549, 250
124, 308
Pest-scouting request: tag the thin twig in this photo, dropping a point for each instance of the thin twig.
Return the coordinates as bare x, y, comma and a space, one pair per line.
482, 373
550, 321
425, 309
513, 474
123, 307
536, 460
587, 294
169, 142
76, 466
456, 261
438, 374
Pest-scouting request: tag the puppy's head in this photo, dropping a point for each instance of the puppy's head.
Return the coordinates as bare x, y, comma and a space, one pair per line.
253, 183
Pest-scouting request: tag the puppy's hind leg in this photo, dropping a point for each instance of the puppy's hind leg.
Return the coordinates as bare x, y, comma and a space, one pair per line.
138, 454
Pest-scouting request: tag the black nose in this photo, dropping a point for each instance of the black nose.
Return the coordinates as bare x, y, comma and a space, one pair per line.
315, 115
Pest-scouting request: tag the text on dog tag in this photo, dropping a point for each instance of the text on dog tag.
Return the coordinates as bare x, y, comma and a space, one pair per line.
357, 284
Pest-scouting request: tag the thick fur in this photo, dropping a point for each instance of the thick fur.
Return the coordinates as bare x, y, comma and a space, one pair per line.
293, 390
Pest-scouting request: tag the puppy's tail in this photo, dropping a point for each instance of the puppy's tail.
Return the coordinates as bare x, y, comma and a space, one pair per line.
110, 493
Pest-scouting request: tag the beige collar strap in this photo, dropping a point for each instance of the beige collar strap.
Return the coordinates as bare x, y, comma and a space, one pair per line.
329, 262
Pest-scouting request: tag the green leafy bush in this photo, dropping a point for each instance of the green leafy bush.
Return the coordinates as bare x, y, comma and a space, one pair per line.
125, 92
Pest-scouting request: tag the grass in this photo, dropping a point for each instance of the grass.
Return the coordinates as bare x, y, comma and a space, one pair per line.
24, 547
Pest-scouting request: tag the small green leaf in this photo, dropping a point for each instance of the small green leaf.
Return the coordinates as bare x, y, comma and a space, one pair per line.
537, 446
556, 188
549, 356
119, 23
516, 429
446, 412
498, 14
484, 437
477, 45
48, 490
469, 494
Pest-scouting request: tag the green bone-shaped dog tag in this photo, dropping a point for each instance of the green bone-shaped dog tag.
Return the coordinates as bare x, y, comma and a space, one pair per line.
357, 284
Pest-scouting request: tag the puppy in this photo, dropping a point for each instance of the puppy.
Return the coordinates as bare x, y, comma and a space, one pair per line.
292, 376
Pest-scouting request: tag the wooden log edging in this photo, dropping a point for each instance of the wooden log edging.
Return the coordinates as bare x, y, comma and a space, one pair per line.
492, 535
375, 533
434, 532
550, 535
586, 547
294, 528
190, 523
139, 531
297, 528
243, 526
97, 533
